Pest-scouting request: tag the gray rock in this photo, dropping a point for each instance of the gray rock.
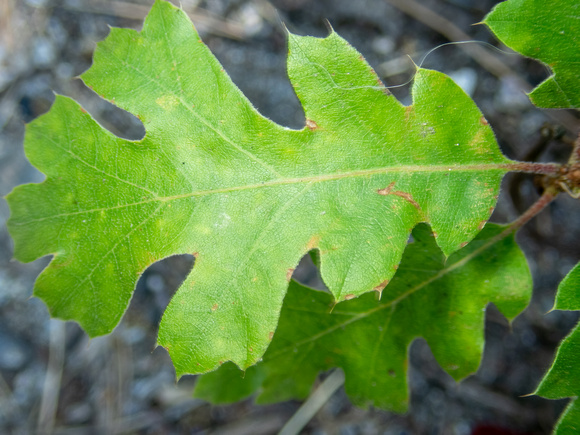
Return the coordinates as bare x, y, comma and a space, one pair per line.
14, 353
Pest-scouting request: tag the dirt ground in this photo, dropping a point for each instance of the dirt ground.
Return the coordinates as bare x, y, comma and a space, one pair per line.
53, 380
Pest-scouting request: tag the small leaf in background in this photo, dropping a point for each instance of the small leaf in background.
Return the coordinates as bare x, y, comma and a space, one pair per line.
442, 300
563, 378
548, 31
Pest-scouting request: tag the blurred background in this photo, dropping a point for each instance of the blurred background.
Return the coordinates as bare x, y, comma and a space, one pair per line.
53, 380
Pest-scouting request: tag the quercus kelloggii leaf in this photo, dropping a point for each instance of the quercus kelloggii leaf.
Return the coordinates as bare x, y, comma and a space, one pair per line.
229, 384
214, 178
563, 378
442, 300
548, 31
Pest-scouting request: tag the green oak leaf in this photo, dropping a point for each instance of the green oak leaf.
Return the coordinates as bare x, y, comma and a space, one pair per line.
214, 178
548, 31
228, 384
563, 378
440, 299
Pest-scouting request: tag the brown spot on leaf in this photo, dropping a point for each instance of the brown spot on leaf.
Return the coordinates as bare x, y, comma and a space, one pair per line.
381, 286
311, 125
483, 121
289, 273
387, 190
481, 225
408, 111
271, 335
406, 196
349, 297
214, 307
251, 349
313, 242
464, 244
396, 266
381, 85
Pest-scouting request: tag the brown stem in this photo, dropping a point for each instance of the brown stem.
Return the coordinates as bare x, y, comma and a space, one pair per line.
553, 169
547, 197
569, 181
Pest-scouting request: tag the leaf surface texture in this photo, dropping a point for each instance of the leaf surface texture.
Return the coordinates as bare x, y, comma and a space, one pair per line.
214, 178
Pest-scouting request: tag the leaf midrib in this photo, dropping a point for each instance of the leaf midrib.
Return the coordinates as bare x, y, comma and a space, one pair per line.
297, 180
